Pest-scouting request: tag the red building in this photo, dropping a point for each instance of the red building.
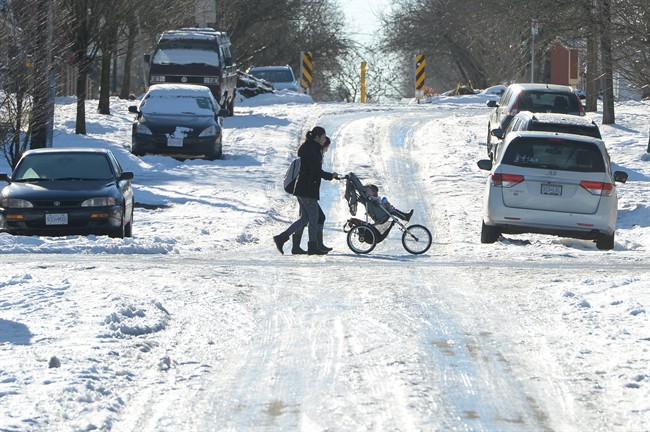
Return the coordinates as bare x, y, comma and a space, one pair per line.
564, 63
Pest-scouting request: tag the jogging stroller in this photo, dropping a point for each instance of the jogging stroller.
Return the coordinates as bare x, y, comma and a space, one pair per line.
363, 236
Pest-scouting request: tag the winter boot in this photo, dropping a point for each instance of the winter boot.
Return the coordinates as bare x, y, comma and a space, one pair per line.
296, 238
280, 240
312, 249
400, 214
319, 238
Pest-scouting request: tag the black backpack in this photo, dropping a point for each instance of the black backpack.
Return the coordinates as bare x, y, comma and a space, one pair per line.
291, 176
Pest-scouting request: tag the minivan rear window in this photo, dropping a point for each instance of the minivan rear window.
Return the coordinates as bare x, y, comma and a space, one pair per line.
554, 153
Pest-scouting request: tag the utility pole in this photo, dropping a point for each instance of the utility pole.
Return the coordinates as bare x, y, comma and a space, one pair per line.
534, 30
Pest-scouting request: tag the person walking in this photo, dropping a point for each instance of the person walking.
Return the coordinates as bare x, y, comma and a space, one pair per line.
307, 191
296, 238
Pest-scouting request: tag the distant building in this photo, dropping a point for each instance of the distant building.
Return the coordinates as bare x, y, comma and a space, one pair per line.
565, 62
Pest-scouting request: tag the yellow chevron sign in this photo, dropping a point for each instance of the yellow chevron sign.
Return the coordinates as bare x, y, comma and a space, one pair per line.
306, 70
420, 64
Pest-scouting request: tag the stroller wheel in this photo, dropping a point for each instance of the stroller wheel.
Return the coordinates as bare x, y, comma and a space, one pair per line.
362, 239
416, 239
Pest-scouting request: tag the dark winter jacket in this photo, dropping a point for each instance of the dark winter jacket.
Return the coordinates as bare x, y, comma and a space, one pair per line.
311, 170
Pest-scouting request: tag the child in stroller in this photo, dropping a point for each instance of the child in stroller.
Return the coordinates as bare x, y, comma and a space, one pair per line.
380, 217
373, 195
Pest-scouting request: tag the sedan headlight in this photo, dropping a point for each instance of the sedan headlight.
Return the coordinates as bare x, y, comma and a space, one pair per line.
15, 203
99, 202
211, 80
211, 131
157, 78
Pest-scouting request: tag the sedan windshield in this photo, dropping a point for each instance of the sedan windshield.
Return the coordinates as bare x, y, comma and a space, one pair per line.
63, 166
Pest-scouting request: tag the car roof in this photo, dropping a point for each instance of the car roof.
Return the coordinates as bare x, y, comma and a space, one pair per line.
269, 68
67, 150
570, 137
539, 86
557, 118
176, 90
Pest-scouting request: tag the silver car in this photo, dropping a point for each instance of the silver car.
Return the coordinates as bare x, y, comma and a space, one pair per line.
551, 183
281, 77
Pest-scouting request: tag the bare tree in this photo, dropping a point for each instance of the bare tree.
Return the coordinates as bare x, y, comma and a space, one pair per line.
605, 14
84, 26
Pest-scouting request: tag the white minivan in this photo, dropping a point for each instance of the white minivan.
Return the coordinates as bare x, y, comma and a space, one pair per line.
551, 183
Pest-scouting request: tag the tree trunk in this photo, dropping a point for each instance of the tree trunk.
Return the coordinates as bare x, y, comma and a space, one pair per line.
42, 103
126, 81
80, 129
608, 67
592, 72
105, 83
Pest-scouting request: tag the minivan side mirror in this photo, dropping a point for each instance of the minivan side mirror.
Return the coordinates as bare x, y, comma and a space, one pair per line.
5, 177
147, 58
133, 109
485, 164
492, 104
498, 132
620, 176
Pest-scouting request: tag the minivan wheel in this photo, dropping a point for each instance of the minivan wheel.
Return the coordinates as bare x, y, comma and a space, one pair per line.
489, 234
605, 242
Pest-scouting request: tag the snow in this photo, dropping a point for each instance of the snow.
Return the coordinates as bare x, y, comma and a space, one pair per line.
198, 323
166, 99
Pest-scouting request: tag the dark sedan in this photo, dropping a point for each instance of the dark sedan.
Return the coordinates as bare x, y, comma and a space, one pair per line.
181, 120
67, 192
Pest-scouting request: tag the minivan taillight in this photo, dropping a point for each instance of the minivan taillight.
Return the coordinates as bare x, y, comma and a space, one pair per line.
597, 188
506, 180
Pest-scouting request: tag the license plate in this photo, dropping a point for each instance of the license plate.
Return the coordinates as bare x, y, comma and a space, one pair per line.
174, 142
56, 219
551, 189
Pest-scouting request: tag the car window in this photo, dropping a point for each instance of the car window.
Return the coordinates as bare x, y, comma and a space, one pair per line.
554, 153
282, 75
176, 103
56, 166
545, 101
505, 98
566, 128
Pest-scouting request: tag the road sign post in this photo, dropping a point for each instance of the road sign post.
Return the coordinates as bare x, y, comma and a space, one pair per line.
306, 71
420, 75
363, 82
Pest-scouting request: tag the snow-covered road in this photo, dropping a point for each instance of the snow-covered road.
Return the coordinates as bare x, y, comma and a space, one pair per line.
197, 323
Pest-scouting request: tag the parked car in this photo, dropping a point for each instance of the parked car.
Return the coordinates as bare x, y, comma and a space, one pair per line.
494, 92
531, 97
548, 122
67, 191
281, 77
181, 120
550, 183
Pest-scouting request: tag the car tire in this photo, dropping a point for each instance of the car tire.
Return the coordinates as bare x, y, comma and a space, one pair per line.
128, 229
605, 242
231, 107
489, 234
